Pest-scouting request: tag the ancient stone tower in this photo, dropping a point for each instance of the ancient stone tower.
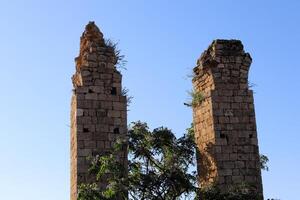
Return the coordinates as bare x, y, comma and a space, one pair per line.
98, 108
224, 118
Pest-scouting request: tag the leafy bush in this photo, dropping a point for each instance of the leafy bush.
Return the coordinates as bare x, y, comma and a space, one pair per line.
158, 169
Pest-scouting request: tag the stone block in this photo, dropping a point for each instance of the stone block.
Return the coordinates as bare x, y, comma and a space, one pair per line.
225, 172
237, 179
79, 112
91, 96
119, 106
239, 164
114, 113
84, 152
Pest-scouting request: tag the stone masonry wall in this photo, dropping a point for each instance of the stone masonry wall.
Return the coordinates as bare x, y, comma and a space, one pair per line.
224, 120
98, 108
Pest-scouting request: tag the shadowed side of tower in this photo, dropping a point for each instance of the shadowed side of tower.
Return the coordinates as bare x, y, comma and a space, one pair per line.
224, 118
98, 108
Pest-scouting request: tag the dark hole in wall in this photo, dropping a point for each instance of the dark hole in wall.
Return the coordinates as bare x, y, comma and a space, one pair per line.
251, 136
85, 130
91, 91
113, 91
116, 131
223, 136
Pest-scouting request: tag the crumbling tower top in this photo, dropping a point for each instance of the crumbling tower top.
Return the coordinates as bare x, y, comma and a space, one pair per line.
92, 34
224, 64
94, 52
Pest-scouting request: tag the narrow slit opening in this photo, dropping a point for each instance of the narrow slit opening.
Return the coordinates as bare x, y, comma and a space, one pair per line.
113, 91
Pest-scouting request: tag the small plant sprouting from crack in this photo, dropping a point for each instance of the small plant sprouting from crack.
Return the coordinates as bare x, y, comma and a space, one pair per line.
191, 74
124, 92
251, 85
264, 162
196, 98
120, 58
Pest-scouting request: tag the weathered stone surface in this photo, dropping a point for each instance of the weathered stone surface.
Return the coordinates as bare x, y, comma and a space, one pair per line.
224, 122
98, 109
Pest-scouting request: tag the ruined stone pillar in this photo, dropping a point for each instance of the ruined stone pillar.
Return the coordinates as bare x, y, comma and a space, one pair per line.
224, 118
98, 108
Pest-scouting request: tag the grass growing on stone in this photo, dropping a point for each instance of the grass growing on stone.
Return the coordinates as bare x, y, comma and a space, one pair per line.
120, 58
196, 98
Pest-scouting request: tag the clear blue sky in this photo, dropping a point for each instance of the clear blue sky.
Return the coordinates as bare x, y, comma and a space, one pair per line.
161, 40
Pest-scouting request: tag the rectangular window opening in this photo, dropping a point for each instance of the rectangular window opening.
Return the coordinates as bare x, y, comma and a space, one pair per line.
116, 131
113, 91
85, 130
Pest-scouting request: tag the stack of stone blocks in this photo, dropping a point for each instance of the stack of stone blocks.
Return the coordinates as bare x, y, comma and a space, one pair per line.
224, 119
98, 108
